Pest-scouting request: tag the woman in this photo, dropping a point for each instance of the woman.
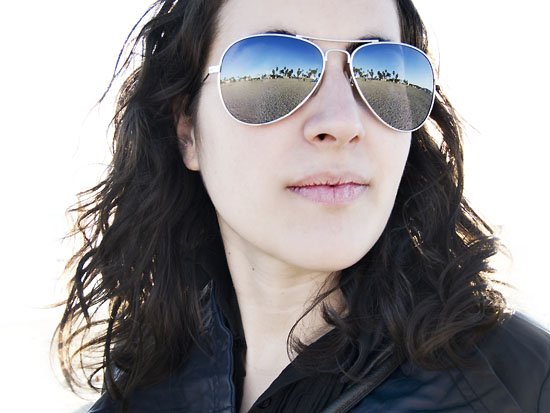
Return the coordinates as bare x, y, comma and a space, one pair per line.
283, 226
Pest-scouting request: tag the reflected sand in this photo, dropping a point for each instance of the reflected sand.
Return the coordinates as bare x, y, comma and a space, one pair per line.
384, 96
259, 100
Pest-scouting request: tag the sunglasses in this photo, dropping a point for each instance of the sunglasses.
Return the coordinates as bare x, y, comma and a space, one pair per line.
265, 78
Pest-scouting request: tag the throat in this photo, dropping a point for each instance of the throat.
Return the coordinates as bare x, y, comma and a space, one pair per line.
256, 382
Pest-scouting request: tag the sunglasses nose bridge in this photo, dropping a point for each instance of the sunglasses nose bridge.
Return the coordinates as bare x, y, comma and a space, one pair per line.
348, 56
347, 63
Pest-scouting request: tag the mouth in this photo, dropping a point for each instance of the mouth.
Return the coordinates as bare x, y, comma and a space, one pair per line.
331, 189
330, 194
331, 179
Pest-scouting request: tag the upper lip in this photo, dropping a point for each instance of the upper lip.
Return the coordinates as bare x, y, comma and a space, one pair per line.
331, 178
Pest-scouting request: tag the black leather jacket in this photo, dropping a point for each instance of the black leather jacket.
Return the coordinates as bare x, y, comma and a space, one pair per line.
511, 375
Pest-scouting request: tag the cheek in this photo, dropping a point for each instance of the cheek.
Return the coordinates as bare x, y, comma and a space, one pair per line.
237, 166
391, 157
245, 170
234, 158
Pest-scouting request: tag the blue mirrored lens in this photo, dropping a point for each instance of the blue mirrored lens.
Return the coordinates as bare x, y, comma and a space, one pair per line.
396, 81
264, 78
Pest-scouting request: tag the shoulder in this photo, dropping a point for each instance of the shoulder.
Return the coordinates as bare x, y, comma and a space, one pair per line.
518, 338
518, 352
190, 385
105, 405
509, 372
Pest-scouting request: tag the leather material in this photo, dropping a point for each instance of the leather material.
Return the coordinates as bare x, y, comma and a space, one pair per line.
360, 391
204, 384
510, 375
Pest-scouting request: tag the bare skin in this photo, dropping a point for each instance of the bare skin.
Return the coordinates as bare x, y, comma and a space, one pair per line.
270, 305
281, 248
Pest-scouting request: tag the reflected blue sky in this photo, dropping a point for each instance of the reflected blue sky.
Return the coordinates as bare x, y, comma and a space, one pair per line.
258, 55
409, 63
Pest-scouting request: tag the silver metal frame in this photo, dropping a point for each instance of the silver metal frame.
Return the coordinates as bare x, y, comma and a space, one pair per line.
307, 39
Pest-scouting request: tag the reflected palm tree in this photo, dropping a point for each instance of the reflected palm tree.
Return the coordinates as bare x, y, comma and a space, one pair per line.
279, 73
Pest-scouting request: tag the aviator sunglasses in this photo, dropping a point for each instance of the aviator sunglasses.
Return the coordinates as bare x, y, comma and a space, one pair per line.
266, 77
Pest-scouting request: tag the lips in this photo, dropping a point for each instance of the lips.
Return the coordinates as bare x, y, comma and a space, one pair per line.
330, 188
331, 178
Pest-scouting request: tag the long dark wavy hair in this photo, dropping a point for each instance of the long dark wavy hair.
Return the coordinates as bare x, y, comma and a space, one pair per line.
133, 311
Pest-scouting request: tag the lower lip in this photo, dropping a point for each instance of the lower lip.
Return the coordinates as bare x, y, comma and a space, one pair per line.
330, 194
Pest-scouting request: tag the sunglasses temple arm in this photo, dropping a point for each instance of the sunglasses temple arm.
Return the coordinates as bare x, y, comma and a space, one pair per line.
211, 69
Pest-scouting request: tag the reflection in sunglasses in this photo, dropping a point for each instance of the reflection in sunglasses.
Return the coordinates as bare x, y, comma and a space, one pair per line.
399, 103
263, 100
265, 78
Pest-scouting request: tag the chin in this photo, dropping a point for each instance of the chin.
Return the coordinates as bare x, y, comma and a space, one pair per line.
329, 260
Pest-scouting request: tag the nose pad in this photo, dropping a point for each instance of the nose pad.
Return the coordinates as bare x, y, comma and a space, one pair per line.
346, 65
335, 111
351, 82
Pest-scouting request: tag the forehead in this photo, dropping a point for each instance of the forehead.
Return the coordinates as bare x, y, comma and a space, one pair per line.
333, 19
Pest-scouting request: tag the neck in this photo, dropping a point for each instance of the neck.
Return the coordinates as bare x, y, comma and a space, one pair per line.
272, 298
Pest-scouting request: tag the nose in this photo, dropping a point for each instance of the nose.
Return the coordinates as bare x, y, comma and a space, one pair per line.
335, 115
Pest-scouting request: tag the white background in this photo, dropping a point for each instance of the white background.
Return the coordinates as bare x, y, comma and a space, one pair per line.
57, 58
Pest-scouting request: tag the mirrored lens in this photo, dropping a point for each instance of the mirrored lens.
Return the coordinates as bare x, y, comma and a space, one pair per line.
264, 78
396, 81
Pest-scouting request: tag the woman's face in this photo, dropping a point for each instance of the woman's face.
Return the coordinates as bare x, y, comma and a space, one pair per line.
252, 172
